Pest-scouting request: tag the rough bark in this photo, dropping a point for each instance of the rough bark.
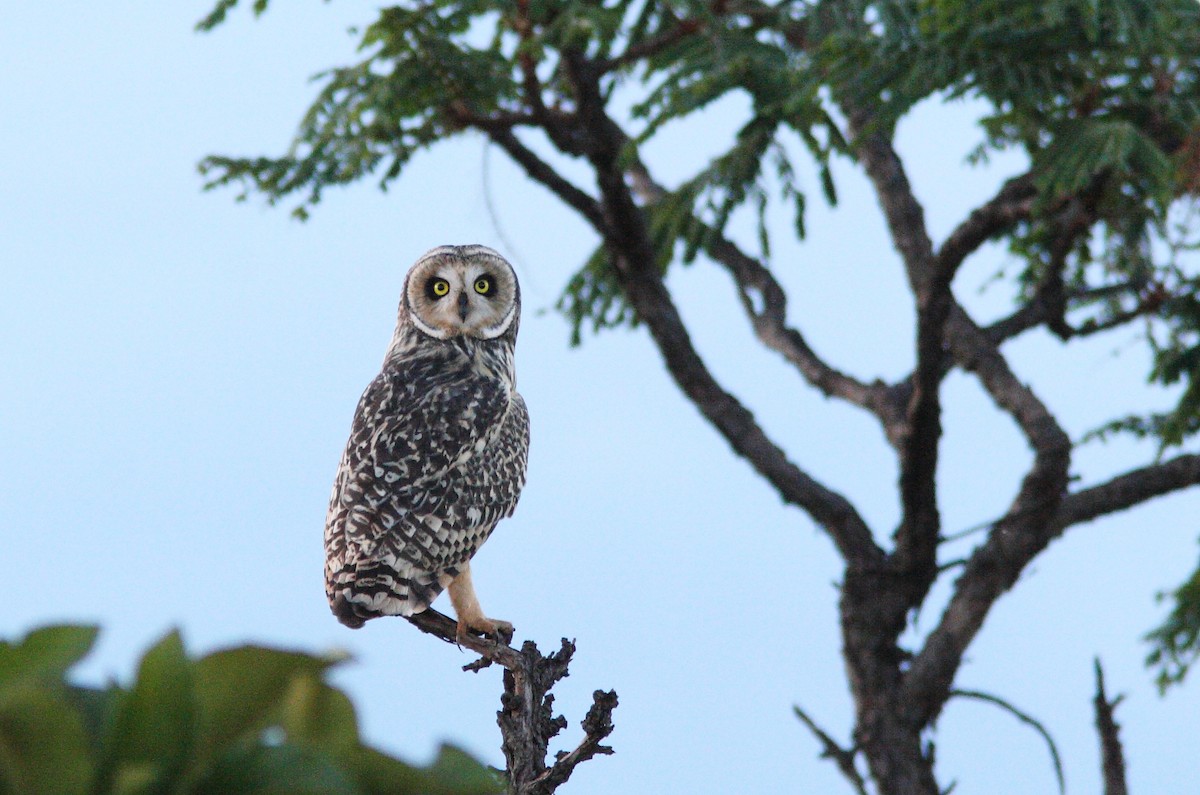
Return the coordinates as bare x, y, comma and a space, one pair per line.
526, 717
1112, 755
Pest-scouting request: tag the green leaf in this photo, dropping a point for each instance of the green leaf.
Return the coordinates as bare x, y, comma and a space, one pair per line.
1175, 643
1081, 150
376, 773
98, 708
454, 772
222, 9
153, 730
277, 770
45, 653
44, 749
241, 691
316, 714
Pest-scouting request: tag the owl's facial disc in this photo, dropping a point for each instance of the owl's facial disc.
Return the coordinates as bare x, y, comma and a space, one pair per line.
449, 296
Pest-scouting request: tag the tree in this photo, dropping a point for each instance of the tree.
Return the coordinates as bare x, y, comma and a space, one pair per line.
1101, 98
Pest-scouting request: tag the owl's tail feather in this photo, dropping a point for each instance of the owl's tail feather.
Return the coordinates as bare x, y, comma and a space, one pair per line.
346, 612
376, 590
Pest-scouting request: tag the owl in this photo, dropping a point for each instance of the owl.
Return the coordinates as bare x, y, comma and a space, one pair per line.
437, 449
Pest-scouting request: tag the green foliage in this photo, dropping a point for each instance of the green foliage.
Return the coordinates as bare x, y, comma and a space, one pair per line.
1176, 644
379, 112
244, 720
592, 297
223, 7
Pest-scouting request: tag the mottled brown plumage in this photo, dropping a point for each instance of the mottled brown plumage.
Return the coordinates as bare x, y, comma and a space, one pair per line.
437, 449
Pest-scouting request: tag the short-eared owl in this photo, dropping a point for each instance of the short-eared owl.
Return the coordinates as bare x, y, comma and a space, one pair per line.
437, 451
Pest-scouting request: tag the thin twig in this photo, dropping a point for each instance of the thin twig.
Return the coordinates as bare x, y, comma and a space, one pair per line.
1027, 720
843, 757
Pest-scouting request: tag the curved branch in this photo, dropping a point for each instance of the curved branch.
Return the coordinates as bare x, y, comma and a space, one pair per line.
1011, 204
768, 315
542, 172
1037, 311
1025, 718
627, 238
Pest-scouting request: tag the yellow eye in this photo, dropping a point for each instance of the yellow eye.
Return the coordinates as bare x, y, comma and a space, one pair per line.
439, 287
483, 285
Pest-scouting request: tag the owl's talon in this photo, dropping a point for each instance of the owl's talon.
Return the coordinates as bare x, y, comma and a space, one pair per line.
491, 628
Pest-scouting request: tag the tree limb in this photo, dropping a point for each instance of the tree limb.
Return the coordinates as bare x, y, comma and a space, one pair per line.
765, 303
542, 172
597, 725
527, 722
930, 278
1036, 311
1014, 540
1125, 491
1012, 543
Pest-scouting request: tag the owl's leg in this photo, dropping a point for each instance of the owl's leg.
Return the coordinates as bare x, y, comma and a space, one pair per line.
466, 607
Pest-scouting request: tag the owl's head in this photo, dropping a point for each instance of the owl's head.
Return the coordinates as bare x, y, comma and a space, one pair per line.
462, 291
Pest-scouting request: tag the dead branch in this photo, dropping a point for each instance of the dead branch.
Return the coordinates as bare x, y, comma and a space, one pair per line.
1111, 753
526, 718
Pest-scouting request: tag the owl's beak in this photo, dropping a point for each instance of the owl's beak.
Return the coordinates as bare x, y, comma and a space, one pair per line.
463, 307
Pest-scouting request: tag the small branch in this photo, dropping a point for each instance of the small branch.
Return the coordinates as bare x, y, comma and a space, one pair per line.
1111, 753
1011, 204
597, 725
1028, 720
1036, 312
542, 172
1127, 490
765, 303
526, 718
842, 757
650, 47
431, 622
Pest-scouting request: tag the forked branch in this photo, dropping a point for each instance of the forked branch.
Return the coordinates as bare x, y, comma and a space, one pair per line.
765, 303
526, 718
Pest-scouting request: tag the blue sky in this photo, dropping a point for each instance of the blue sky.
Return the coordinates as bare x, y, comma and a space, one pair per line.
180, 370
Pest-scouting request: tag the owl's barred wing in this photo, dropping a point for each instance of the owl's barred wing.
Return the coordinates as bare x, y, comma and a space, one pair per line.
434, 460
